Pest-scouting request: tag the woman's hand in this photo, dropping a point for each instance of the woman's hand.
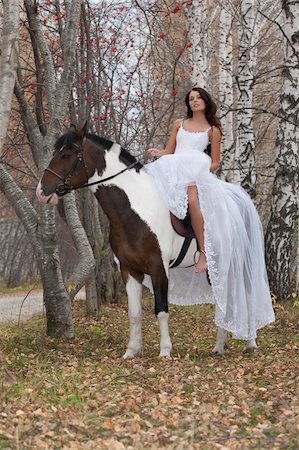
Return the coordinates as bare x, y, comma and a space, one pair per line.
214, 167
154, 152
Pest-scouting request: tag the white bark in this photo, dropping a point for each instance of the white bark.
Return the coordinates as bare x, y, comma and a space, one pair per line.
198, 22
58, 307
57, 301
8, 61
226, 92
245, 146
281, 236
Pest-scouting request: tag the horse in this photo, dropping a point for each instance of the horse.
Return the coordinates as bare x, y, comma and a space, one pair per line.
142, 237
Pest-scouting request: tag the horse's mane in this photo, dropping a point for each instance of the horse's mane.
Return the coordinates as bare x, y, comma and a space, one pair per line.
68, 139
124, 156
129, 159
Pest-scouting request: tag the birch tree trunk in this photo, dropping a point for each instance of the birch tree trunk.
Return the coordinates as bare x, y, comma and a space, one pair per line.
8, 61
226, 170
245, 145
58, 307
281, 236
198, 21
90, 217
52, 103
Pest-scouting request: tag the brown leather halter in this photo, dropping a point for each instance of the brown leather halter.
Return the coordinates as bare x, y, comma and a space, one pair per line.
65, 188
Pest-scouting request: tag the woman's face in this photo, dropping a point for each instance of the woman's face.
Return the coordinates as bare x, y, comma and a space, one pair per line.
196, 102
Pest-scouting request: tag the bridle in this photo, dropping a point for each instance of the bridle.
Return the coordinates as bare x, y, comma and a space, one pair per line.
65, 188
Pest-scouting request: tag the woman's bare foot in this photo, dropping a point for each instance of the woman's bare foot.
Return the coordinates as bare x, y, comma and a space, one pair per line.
201, 265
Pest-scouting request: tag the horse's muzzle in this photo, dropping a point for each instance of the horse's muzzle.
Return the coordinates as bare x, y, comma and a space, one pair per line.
43, 198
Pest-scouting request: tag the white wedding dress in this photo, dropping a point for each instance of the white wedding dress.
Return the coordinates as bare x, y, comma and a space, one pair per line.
234, 242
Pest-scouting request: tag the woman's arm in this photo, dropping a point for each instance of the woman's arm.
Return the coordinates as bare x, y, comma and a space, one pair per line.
170, 147
215, 140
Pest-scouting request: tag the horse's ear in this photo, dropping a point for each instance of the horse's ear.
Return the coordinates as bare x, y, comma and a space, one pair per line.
73, 128
83, 131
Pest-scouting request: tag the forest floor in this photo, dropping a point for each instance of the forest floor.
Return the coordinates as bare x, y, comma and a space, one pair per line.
82, 395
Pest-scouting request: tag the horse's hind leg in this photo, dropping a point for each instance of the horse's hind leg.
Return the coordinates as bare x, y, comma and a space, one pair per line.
160, 285
221, 341
134, 292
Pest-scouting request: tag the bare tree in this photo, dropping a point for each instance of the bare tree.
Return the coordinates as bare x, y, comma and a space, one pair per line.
8, 62
53, 84
245, 145
200, 15
226, 91
280, 237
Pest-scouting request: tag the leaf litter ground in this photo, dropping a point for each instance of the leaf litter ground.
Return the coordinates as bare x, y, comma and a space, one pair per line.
83, 395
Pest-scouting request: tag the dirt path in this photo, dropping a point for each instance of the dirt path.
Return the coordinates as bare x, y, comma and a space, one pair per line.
21, 306
17, 306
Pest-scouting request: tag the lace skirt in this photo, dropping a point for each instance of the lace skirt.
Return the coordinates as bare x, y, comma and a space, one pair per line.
234, 246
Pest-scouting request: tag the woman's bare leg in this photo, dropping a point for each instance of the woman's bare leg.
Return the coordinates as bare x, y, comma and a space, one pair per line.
197, 223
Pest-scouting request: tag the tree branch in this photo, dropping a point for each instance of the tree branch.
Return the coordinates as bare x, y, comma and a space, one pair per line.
87, 262
19, 202
29, 123
283, 33
37, 33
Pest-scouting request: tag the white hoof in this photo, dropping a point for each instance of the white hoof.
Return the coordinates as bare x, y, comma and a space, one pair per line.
218, 350
165, 353
128, 355
251, 346
131, 353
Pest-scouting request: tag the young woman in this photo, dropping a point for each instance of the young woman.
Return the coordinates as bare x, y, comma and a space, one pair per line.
203, 123
223, 217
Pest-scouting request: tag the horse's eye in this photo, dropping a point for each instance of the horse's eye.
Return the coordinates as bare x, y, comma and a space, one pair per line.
65, 156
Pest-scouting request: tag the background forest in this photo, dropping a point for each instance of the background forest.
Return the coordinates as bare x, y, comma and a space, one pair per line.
125, 66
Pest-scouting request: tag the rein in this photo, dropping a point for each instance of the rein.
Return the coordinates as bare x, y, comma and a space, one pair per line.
64, 187
107, 178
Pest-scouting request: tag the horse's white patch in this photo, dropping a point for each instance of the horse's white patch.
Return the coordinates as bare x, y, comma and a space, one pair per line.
144, 199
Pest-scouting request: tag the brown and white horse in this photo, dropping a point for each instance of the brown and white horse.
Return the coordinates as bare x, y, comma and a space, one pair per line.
141, 235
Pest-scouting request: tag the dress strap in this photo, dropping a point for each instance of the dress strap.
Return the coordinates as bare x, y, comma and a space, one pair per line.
209, 137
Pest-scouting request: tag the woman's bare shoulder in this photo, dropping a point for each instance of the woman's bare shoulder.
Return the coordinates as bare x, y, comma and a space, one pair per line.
177, 123
215, 133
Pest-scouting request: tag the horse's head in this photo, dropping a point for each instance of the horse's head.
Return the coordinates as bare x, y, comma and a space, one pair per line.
67, 169
78, 157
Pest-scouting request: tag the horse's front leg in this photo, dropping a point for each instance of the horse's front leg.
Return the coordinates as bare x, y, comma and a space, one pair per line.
160, 286
250, 346
134, 292
220, 342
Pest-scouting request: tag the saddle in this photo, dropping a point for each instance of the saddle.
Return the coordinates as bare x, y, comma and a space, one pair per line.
184, 228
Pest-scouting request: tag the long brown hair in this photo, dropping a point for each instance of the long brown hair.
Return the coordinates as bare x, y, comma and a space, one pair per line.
210, 110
